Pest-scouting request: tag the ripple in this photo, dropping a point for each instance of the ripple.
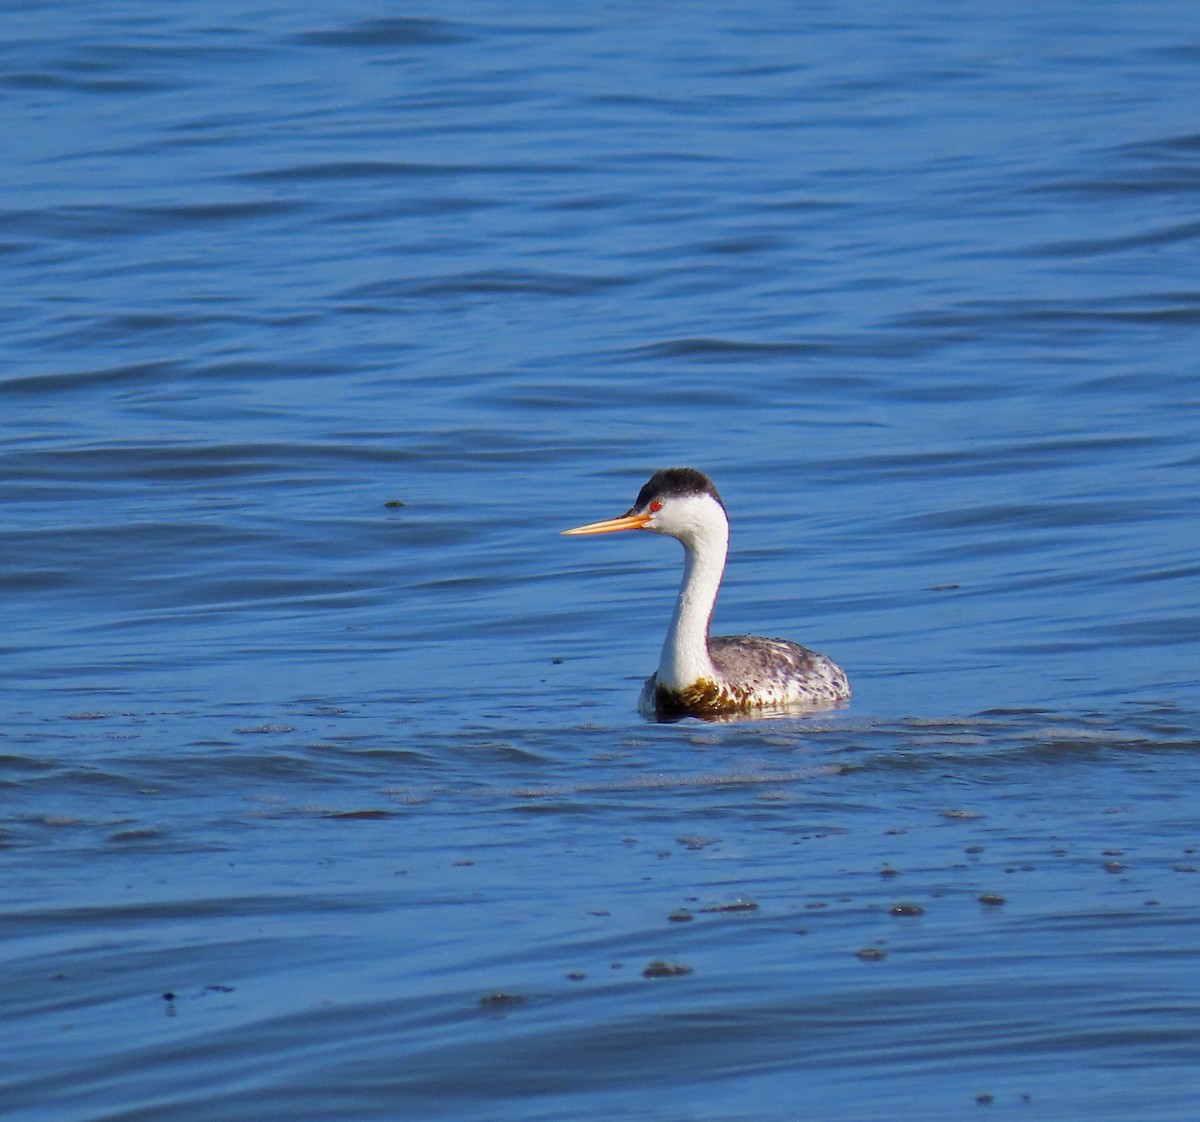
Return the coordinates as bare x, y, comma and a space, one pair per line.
397, 32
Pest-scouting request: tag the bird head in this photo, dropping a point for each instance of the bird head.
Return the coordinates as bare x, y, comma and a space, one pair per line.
681, 503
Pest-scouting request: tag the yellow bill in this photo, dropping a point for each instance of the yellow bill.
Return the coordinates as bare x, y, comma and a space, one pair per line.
612, 525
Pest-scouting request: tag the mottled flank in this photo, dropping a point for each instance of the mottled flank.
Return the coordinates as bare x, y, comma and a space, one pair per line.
755, 674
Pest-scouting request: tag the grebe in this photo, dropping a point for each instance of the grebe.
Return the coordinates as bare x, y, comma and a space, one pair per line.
707, 677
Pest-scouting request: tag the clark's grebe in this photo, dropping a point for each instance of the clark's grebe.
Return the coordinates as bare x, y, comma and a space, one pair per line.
702, 676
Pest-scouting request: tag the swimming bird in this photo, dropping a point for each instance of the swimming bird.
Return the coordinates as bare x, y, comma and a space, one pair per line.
709, 677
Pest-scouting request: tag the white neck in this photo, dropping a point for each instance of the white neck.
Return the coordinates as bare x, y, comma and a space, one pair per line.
685, 657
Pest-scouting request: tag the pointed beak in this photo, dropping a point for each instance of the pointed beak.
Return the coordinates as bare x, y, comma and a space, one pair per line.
612, 525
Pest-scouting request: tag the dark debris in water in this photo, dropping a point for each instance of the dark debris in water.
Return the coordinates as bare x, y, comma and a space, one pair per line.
661, 968
171, 996
501, 999
905, 909
871, 954
737, 904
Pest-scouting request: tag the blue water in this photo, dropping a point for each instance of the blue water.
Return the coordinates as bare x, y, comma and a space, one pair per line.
323, 792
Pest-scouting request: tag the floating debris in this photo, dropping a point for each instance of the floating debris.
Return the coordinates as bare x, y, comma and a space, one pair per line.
696, 841
660, 968
681, 915
737, 904
907, 910
993, 899
500, 1000
871, 954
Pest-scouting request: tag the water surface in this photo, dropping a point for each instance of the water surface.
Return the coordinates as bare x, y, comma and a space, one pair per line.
323, 790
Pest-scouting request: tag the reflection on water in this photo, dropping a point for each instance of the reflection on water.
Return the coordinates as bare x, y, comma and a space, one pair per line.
323, 785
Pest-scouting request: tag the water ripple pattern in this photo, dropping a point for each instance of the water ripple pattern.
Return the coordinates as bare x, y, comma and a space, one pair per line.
323, 791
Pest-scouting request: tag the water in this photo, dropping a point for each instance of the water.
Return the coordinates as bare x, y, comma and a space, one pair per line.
323, 791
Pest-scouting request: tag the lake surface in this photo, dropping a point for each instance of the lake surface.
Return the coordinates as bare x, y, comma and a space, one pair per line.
322, 790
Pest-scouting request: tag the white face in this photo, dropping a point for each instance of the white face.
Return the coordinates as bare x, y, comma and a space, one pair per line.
690, 518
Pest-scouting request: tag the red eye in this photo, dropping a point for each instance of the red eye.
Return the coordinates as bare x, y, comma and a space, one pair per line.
655, 507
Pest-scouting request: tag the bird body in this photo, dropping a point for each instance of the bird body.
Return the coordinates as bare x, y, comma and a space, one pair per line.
702, 676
